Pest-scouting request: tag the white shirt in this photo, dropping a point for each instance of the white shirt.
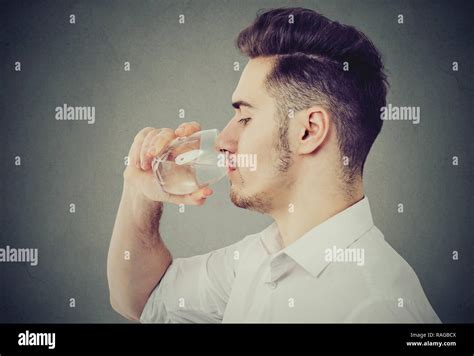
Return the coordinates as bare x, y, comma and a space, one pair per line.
341, 271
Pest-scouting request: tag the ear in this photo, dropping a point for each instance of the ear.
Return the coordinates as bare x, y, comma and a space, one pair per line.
314, 129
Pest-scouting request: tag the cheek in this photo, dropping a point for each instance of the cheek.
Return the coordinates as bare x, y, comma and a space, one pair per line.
258, 146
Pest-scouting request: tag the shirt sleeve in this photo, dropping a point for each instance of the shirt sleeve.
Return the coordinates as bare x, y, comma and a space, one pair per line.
194, 289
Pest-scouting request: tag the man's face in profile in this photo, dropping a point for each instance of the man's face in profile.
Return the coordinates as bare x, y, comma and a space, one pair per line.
254, 130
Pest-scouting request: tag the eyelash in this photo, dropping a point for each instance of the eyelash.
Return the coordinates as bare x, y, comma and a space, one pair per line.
245, 120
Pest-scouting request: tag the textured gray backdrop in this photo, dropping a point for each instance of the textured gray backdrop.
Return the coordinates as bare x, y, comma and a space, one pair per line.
190, 66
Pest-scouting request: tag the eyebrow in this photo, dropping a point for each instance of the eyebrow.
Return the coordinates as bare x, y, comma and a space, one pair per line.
238, 104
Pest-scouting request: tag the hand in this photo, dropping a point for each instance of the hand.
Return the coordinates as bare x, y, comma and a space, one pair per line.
149, 143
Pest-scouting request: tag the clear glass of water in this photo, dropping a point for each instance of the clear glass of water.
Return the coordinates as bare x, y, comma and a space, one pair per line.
190, 163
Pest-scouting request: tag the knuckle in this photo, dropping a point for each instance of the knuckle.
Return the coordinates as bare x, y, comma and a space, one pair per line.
150, 133
141, 134
166, 132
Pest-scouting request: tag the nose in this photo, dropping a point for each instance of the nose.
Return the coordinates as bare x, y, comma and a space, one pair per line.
227, 139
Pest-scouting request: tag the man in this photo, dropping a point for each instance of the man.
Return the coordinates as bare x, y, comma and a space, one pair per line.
307, 105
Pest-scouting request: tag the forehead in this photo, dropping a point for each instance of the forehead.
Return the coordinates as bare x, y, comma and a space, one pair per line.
251, 84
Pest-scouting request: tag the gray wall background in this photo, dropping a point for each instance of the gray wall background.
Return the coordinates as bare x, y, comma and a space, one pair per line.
190, 66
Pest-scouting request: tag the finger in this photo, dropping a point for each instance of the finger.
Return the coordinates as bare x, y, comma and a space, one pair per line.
197, 198
156, 146
146, 146
161, 141
187, 128
134, 153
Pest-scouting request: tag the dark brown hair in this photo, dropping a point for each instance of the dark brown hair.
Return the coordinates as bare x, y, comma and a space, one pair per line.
312, 55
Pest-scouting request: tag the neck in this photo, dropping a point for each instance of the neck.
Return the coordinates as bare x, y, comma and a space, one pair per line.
303, 209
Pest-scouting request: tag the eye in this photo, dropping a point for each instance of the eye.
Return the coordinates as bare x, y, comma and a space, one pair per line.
244, 120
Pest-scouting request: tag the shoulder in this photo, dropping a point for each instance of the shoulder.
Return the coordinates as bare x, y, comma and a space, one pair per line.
384, 269
393, 288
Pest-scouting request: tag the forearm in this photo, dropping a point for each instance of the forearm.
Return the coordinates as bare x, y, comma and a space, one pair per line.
137, 257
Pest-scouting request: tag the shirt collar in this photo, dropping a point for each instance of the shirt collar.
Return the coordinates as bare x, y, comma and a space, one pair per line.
340, 230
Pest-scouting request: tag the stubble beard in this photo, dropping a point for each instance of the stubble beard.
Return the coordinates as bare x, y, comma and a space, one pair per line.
260, 202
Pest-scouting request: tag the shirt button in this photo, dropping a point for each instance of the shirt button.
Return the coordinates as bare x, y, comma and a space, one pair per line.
273, 285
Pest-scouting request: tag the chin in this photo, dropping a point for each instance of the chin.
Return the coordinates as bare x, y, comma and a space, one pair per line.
259, 202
